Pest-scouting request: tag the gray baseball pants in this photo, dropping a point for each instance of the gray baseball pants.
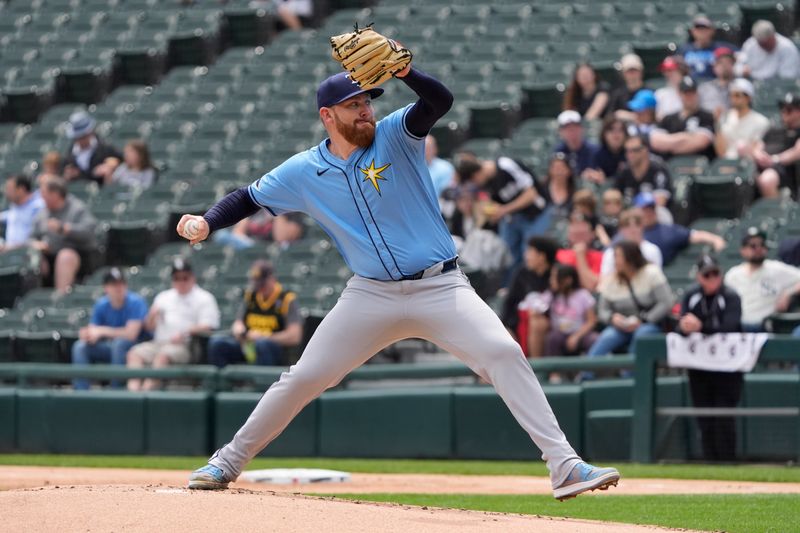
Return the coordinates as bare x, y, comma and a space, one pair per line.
371, 315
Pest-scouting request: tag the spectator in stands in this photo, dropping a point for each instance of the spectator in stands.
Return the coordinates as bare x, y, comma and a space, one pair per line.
176, 314
609, 158
115, 326
643, 110
612, 205
764, 285
465, 217
63, 232
87, 156
789, 251
559, 188
267, 323
51, 166
294, 14
571, 314
779, 152
442, 172
631, 229
586, 94
518, 200
741, 128
689, 132
584, 201
632, 302
713, 94
699, 52
580, 152
671, 239
768, 54
136, 169
643, 172
633, 81
532, 277
668, 99
710, 307
287, 228
580, 252
245, 233
24, 206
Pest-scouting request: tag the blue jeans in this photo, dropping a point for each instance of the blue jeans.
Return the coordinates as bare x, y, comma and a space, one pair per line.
612, 339
796, 332
224, 350
516, 229
105, 351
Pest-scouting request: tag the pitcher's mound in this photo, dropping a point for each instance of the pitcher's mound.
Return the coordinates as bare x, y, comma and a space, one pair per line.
103, 508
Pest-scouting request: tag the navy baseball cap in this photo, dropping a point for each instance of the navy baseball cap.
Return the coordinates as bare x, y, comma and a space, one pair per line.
338, 88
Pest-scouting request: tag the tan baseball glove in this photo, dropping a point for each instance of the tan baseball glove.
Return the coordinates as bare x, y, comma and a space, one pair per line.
370, 57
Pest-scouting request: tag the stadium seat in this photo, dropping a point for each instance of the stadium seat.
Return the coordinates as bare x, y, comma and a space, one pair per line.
721, 195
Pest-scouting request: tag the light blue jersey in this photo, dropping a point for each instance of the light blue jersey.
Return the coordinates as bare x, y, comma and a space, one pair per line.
379, 205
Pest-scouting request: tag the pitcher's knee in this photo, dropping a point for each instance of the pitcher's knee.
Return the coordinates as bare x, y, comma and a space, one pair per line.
307, 380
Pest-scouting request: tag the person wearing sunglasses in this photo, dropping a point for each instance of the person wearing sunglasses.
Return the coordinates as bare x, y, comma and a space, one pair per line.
711, 307
764, 285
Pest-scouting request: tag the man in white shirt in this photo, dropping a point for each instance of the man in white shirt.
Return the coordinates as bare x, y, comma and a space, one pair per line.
24, 205
768, 54
631, 228
176, 314
764, 285
741, 128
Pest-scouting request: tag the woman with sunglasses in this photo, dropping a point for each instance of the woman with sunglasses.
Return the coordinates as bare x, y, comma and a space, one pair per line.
711, 307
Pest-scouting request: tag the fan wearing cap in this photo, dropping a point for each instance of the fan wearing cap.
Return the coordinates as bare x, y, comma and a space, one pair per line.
741, 128
176, 314
767, 54
699, 51
688, 132
711, 307
764, 285
114, 327
643, 113
631, 229
671, 238
632, 69
87, 155
267, 323
668, 99
713, 94
778, 154
580, 151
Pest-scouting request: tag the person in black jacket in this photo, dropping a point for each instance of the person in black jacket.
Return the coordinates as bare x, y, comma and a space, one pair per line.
532, 276
711, 307
88, 157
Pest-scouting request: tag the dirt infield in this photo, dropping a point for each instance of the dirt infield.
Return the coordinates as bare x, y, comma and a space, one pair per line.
47, 499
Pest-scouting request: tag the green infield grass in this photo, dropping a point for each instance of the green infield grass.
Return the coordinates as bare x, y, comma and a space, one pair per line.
733, 513
775, 473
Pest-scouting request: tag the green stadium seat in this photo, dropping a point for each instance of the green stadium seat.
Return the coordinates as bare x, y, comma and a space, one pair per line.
249, 27
721, 195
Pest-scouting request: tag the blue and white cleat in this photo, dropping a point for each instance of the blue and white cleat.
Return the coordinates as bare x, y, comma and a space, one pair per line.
208, 477
585, 477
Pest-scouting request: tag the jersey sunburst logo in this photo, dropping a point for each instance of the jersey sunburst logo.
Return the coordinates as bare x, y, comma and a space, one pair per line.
373, 174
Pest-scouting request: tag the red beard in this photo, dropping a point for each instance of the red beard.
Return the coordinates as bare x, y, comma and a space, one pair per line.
360, 136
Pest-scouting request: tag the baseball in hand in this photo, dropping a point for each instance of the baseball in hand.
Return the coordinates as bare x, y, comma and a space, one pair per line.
191, 229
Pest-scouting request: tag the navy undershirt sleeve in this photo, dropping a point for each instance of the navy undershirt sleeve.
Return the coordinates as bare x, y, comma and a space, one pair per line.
434, 101
231, 209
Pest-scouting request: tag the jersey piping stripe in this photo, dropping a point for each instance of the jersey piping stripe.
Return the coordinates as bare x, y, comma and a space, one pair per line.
375, 221
366, 226
405, 128
259, 203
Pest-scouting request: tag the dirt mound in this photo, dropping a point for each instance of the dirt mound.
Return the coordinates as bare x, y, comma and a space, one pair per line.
136, 508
